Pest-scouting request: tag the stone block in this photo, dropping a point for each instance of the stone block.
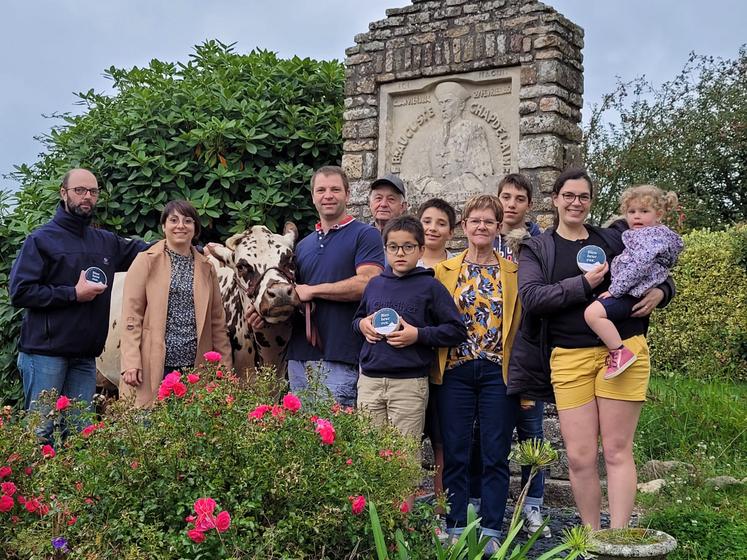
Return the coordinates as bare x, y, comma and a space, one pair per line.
422, 38
400, 11
658, 469
368, 128
353, 165
470, 8
489, 26
526, 44
548, 41
527, 107
369, 165
457, 31
349, 130
554, 71
550, 123
446, 13
359, 145
540, 151
455, 2
350, 51
468, 48
471, 19
357, 59
652, 486
573, 154
417, 19
528, 76
373, 46
386, 77
396, 43
392, 21
359, 113
515, 42
520, 22
361, 38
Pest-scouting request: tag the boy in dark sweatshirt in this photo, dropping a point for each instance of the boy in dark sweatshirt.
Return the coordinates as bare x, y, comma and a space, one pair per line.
393, 386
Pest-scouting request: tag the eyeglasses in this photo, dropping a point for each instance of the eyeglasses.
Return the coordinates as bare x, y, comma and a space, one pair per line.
407, 248
81, 191
569, 197
474, 222
173, 220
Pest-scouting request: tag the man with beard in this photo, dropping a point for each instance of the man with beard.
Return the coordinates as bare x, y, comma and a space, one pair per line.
67, 316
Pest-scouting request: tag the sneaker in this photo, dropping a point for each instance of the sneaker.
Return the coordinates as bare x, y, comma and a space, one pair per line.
618, 361
533, 521
492, 547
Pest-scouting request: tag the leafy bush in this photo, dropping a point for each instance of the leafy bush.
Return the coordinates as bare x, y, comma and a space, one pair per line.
703, 332
292, 481
236, 134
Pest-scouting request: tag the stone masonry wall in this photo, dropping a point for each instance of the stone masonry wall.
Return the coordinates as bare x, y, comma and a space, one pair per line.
443, 37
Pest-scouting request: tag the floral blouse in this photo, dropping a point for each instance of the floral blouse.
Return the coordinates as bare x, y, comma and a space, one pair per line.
181, 325
479, 299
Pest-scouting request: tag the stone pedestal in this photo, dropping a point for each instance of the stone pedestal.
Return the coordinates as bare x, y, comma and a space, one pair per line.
454, 94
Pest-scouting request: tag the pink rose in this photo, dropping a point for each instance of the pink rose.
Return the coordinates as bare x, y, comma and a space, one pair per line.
192, 378
357, 504
404, 507
71, 521
229, 400
222, 521
8, 488
171, 378
326, 431
349, 462
32, 505
212, 356
204, 506
259, 412
62, 403
6, 503
48, 451
180, 389
88, 430
291, 402
196, 536
5, 471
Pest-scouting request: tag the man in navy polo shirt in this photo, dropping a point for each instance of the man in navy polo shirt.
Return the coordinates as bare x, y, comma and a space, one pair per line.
334, 264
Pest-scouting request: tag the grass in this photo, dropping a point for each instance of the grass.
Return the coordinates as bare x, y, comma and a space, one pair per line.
703, 423
699, 422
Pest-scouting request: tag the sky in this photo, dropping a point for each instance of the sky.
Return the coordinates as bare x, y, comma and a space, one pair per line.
50, 49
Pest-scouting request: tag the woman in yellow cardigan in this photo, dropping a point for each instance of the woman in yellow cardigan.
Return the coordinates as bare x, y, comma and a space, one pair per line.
172, 312
472, 376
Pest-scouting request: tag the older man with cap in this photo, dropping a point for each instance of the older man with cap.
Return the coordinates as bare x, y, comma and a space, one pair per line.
387, 200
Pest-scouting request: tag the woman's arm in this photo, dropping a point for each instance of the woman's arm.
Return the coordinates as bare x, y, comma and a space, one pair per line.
134, 304
541, 298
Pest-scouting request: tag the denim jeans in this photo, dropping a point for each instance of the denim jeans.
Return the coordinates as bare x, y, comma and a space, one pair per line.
529, 426
340, 378
476, 389
73, 377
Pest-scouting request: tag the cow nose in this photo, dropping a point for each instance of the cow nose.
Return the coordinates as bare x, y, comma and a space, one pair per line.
280, 291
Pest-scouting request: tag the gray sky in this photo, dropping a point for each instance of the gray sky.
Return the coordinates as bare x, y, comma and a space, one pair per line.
52, 48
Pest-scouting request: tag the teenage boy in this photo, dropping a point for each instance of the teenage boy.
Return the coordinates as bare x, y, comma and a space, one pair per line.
393, 386
515, 194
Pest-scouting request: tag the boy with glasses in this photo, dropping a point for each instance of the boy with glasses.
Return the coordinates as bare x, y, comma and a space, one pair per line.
393, 386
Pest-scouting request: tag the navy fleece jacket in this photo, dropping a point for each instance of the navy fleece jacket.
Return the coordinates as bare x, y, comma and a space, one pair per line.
425, 304
43, 281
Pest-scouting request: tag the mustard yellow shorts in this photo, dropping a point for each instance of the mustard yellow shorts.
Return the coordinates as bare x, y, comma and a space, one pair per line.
577, 375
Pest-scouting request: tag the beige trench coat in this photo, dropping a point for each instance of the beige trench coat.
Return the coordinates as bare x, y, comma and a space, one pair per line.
143, 320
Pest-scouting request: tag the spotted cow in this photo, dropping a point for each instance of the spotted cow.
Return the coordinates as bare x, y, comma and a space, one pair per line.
255, 268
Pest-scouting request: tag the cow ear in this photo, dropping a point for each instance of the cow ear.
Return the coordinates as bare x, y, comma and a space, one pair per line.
290, 232
233, 241
222, 254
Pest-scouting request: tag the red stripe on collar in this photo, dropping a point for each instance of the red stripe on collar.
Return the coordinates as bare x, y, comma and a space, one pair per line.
341, 224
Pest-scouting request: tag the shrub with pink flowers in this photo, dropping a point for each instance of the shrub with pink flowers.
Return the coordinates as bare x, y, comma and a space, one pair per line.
215, 469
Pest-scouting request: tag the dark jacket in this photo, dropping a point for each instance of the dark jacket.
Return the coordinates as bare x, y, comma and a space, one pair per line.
529, 366
424, 303
43, 281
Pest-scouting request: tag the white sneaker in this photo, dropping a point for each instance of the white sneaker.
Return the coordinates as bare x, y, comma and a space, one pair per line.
533, 521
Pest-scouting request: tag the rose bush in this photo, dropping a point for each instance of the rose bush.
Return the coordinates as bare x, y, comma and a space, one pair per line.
214, 470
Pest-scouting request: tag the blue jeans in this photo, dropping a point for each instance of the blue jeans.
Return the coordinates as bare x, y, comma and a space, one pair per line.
340, 378
73, 377
476, 389
529, 426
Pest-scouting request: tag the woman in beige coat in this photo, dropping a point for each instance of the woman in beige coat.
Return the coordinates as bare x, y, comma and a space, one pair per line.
172, 312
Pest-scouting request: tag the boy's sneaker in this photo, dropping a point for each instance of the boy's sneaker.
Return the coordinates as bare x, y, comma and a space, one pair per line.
533, 521
618, 361
492, 547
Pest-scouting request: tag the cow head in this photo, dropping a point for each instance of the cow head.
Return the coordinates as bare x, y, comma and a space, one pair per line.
264, 270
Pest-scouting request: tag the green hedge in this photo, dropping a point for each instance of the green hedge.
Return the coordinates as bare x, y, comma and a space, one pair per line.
703, 332
236, 134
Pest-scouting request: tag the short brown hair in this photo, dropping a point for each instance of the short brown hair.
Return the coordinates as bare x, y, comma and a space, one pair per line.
185, 209
332, 170
519, 181
483, 202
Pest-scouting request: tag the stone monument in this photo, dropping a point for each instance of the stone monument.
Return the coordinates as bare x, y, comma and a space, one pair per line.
454, 94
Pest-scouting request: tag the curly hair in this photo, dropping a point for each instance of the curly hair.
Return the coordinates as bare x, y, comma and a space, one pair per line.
649, 195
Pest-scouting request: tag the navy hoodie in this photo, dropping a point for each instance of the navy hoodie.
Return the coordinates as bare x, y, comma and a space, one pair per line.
43, 281
424, 303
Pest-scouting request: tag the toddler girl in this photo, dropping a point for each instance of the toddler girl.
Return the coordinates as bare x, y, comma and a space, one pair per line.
651, 249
